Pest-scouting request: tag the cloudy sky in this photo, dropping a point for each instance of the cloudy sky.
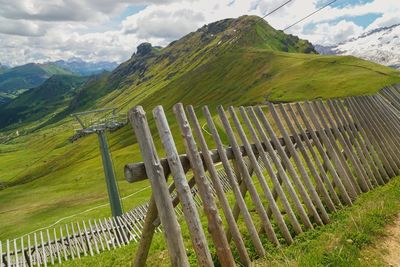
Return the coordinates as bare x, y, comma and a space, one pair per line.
110, 30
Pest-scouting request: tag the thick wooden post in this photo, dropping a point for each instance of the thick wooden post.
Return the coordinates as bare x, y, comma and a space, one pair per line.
155, 172
233, 228
199, 240
215, 226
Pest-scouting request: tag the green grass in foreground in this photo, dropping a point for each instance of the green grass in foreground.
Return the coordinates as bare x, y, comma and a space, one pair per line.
329, 245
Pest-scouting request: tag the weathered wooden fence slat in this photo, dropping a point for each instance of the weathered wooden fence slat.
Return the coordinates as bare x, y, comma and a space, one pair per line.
219, 189
317, 177
329, 153
267, 192
241, 205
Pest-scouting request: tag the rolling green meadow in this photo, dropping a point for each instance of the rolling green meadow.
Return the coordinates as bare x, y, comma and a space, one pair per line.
47, 180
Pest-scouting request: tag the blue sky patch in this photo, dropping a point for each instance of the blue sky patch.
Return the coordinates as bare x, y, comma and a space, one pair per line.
130, 10
342, 3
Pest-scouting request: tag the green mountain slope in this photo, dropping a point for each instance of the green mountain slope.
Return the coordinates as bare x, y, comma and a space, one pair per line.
236, 61
40, 101
233, 61
27, 76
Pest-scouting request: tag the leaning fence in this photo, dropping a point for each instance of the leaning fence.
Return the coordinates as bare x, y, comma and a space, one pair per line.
288, 166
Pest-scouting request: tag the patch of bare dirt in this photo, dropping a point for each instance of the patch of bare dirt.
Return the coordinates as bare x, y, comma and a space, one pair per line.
391, 244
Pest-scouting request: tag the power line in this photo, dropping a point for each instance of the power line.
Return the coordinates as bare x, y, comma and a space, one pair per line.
276, 9
251, 24
269, 13
309, 15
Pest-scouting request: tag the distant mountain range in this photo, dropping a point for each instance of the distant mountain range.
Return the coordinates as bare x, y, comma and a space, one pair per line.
381, 45
78, 66
19, 78
27, 76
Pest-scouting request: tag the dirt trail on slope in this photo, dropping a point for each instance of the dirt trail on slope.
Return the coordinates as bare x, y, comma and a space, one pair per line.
391, 244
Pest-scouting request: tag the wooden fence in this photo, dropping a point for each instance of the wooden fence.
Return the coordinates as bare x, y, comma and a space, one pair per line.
330, 153
296, 162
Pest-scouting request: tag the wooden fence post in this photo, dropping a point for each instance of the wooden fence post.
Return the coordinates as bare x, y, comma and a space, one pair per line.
235, 185
308, 160
199, 240
244, 172
387, 132
277, 186
368, 151
325, 157
347, 149
267, 192
215, 226
303, 172
352, 141
233, 228
329, 144
372, 149
372, 136
334, 145
295, 178
155, 172
281, 172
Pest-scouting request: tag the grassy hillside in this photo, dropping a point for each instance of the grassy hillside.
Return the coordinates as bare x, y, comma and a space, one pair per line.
231, 62
27, 76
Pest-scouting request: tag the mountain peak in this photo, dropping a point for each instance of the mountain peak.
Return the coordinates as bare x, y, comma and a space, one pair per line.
237, 33
144, 49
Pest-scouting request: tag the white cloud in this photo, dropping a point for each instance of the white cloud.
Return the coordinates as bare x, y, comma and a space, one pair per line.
21, 27
328, 34
161, 22
40, 30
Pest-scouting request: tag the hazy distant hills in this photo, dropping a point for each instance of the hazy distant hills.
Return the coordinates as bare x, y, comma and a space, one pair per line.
32, 75
27, 76
78, 66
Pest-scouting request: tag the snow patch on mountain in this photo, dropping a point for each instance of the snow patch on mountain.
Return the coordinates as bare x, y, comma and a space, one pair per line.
381, 45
